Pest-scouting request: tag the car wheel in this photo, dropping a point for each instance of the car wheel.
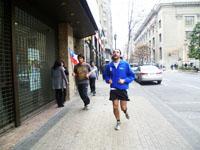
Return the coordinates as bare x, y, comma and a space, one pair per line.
142, 82
159, 82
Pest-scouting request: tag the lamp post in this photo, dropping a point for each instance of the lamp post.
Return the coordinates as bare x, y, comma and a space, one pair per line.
115, 38
185, 51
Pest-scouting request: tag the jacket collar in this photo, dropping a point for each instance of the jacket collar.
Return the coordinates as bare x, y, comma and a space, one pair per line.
112, 63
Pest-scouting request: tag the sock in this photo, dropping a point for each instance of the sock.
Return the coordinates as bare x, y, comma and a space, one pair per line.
125, 111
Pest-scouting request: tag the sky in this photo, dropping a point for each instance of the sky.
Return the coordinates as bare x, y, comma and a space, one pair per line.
119, 10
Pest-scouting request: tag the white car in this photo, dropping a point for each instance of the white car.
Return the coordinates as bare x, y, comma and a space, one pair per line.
148, 73
134, 69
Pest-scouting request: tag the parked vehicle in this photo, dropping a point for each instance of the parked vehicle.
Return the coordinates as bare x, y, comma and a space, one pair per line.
134, 67
148, 73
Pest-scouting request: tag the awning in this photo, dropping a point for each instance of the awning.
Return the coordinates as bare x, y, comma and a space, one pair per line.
75, 12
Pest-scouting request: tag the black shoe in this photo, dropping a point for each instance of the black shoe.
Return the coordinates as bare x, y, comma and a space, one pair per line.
86, 107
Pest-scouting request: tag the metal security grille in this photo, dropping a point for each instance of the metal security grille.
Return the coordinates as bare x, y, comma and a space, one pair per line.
6, 82
34, 61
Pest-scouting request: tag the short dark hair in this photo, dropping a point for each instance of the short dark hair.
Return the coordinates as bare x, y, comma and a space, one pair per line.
81, 56
57, 64
118, 50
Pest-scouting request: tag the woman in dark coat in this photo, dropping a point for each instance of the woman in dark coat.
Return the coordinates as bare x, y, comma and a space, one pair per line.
59, 82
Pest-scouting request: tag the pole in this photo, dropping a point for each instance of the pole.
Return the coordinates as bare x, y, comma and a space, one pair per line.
115, 38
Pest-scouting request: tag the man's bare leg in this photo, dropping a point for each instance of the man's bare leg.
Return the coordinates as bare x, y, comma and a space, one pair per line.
116, 113
123, 104
116, 109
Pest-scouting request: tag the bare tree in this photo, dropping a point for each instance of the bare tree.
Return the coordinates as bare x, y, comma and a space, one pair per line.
131, 25
142, 54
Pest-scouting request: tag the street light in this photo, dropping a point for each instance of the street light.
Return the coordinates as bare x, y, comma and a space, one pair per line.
185, 52
115, 38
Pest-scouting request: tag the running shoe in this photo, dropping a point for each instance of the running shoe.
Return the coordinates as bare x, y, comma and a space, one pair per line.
117, 127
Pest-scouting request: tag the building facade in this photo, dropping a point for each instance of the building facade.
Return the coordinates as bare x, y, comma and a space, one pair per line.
100, 44
33, 34
165, 34
106, 23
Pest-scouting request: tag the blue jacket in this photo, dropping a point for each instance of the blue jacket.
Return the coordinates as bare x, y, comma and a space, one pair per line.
123, 71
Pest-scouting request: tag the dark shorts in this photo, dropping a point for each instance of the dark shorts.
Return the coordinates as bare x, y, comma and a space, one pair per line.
118, 95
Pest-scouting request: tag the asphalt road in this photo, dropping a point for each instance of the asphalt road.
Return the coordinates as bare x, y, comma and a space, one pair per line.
178, 99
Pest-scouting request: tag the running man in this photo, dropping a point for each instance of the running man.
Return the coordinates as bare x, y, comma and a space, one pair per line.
118, 74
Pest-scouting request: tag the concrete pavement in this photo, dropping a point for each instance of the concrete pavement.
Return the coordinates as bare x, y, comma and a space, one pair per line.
74, 129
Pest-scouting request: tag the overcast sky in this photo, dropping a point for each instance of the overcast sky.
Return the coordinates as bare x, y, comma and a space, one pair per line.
119, 10
120, 17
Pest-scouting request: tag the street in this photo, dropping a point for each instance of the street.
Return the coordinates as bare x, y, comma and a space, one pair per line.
178, 99
180, 91
162, 117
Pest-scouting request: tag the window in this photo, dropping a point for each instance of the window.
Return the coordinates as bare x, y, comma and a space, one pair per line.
160, 37
154, 55
188, 35
159, 23
145, 35
189, 20
153, 40
149, 33
153, 29
198, 16
160, 56
35, 51
7, 113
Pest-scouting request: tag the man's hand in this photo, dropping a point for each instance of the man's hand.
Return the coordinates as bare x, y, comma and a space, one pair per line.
121, 81
110, 81
73, 74
88, 75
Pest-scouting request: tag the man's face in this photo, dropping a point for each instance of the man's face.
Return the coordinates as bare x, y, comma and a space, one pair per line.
81, 60
116, 54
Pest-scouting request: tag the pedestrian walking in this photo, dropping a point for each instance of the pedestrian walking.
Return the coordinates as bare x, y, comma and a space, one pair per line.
118, 74
172, 67
93, 77
59, 82
104, 67
82, 73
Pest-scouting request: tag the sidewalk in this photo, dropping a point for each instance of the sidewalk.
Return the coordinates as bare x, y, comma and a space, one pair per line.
72, 128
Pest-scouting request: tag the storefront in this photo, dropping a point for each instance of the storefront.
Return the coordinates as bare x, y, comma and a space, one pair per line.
33, 50
7, 114
31, 38
35, 54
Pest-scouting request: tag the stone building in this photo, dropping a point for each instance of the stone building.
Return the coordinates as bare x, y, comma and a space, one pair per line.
166, 32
